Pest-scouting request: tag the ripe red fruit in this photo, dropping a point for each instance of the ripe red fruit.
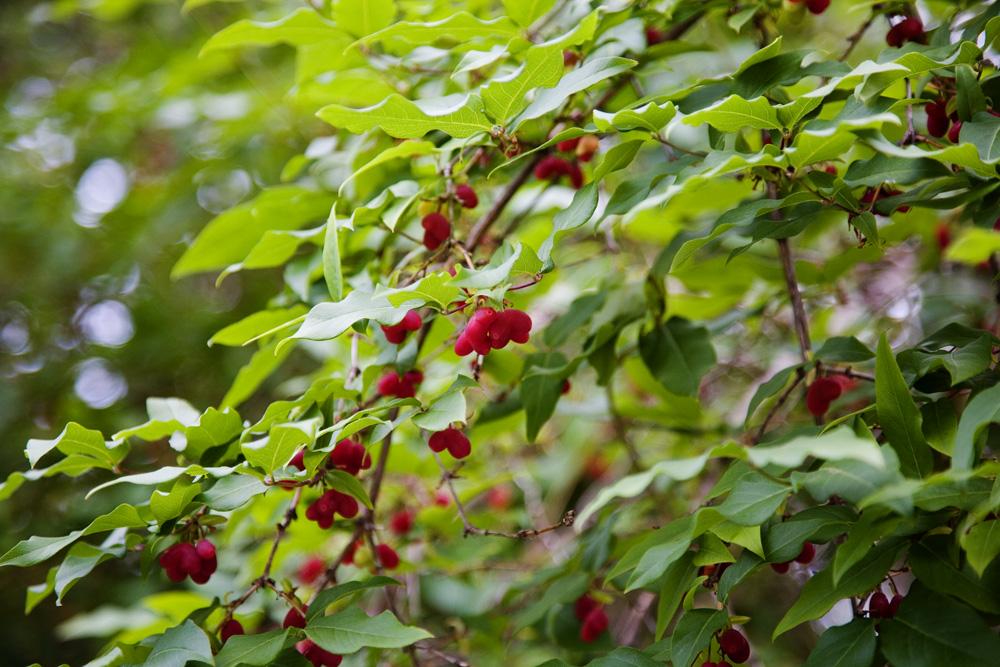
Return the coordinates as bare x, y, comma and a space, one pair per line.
205, 550
709, 663
467, 196
387, 556
735, 645
954, 132
294, 619
453, 440
937, 126
436, 230
500, 331
878, 605
566, 386
499, 498
943, 236
462, 345
587, 147
317, 656
298, 461
654, 36
807, 554
311, 570
781, 568
188, 560
894, 604
570, 58
401, 522
583, 606
400, 387
821, 393
817, 6
396, 333
333, 502
722, 663
441, 499
520, 325
575, 176
567, 145
351, 457
595, 623
911, 28
230, 628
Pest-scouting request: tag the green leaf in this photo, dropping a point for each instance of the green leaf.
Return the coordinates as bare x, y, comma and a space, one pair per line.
81, 561
982, 410
849, 645
539, 394
847, 349
179, 645
575, 215
983, 132
249, 328
694, 633
258, 650
36, 549
328, 320
973, 245
232, 235
930, 630
232, 492
650, 117
851, 480
123, 516
525, 12
736, 573
871, 526
840, 443
340, 591
262, 364
898, 415
753, 499
332, 272
349, 484
364, 17
403, 150
618, 157
982, 544
504, 98
352, 630
301, 27
933, 565
676, 581
76, 439
735, 113
563, 590
882, 168
820, 594
775, 384
274, 451
399, 117
678, 354
170, 505
446, 409
432, 289
625, 656
817, 525
969, 96
810, 148
591, 72
460, 27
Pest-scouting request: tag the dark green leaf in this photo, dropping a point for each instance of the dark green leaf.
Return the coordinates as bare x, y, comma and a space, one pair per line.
849, 645
694, 632
898, 415
678, 353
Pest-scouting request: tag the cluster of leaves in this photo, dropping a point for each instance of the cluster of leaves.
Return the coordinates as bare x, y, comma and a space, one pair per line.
665, 286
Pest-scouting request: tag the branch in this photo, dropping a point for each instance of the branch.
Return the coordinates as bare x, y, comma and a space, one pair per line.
469, 529
792, 283
799, 377
478, 232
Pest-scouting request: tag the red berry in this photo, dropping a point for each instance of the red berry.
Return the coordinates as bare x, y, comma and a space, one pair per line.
583, 606
911, 28
387, 556
587, 147
388, 385
395, 334
937, 126
459, 445
499, 497
722, 663
943, 235
567, 145
351, 550
230, 628
412, 321
708, 663
317, 656
438, 442
311, 570
807, 554
817, 6
347, 506
570, 58
205, 549
654, 36
351, 457
500, 331
878, 605
894, 604
735, 645
401, 522
954, 132
821, 393
467, 196
566, 386
294, 619
188, 560
413, 377
575, 175
520, 324
895, 37
781, 568
462, 345
441, 499
436, 230
595, 623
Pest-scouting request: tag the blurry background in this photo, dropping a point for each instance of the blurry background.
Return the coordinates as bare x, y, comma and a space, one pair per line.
116, 144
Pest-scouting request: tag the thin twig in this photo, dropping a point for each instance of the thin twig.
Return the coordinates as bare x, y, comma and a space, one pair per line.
853, 40
792, 283
777, 405
478, 232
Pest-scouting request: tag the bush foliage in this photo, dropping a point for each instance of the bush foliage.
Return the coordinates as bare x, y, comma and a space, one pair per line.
580, 334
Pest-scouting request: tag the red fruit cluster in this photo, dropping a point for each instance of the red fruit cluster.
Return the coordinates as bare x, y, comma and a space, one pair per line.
396, 333
437, 229
400, 387
323, 509
466, 196
910, 29
735, 645
311, 569
489, 330
230, 628
552, 168
185, 559
351, 457
401, 522
938, 119
317, 656
453, 440
594, 621
294, 619
805, 557
387, 556
879, 606
821, 393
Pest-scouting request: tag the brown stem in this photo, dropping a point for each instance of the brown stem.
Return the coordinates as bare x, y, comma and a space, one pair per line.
478, 232
799, 377
792, 283
853, 40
